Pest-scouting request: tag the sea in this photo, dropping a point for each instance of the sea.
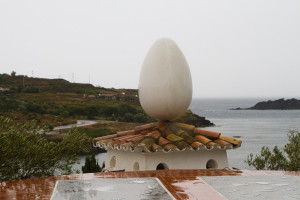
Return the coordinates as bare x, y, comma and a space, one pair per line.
256, 128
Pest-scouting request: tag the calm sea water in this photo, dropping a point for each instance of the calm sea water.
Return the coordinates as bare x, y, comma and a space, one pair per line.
254, 127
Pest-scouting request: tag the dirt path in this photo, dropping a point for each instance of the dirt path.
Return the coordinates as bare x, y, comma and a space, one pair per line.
80, 123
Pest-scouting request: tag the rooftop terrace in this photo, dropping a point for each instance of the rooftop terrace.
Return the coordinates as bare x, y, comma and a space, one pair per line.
180, 184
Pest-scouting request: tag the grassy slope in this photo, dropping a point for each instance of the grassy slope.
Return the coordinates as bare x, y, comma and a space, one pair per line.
63, 93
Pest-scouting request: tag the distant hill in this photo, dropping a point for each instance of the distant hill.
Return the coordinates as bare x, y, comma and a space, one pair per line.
279, 104
56, 101
43, 84
21, 82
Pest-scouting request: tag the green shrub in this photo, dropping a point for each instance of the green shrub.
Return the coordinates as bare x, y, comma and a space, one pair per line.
48, 126
288, 159
126, 108
31, 89
25, 153
128, 117
97, 133
91, 165
140, 118
64, 114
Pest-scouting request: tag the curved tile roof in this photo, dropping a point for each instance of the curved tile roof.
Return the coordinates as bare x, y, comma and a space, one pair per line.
166, 137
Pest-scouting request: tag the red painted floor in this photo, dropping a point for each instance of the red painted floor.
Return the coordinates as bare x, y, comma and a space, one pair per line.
182, 184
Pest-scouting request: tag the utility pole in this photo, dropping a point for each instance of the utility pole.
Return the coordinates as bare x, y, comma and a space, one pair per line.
73, 77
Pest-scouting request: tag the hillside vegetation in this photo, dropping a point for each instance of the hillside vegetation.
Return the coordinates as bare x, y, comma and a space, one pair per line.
54, 102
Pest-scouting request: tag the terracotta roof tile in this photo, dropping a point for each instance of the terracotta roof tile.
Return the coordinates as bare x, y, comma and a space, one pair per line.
127, 144
169, 146
154, 134
147, 142
182, 145
116, 142
231, 140
162, 141
202, 139
161, 126
145, 127
223, 143
155, 147
106, 141
174, 138
137, 138
127, 137
187, 137
185, 126
207, 133
167, 136
167, 132
212, 144
125, 132
196, 145
106, 137
145, 132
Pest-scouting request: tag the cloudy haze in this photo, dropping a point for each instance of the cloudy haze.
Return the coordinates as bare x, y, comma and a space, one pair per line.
234, 48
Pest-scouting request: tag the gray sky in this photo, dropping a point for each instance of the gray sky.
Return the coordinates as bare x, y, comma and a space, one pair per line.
235, 48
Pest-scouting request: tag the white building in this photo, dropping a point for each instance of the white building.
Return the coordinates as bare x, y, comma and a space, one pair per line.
166, 145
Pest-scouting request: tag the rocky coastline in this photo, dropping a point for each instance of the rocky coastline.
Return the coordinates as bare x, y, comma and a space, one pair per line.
279, 104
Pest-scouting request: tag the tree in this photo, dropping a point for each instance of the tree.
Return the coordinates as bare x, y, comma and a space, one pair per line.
126, 108
286, 159
140, 118
26, 153
128, 117
13, 73
92, 111
91, 165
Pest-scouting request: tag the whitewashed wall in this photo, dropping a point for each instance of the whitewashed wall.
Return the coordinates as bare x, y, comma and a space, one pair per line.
125, 160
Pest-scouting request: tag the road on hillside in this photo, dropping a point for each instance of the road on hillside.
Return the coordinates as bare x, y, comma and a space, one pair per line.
80, 123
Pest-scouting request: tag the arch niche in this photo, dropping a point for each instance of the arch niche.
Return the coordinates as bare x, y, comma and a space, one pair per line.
162, 166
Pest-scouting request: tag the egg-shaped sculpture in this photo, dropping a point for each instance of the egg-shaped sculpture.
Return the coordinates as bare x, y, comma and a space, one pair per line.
165, 85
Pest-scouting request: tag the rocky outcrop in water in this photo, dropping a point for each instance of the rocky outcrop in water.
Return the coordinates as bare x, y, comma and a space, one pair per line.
279, 104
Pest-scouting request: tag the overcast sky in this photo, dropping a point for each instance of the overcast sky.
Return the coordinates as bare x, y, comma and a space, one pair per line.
234, 48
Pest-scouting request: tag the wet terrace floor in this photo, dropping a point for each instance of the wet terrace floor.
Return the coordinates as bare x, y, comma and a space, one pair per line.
179, 184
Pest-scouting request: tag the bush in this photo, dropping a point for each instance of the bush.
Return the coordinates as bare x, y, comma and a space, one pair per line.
126, 108
140, 118
31, 89
64, 114
288, 159
48, 126
128, 117
109, 110
97, 132
25, 153
34, 107
92, 111
91, 165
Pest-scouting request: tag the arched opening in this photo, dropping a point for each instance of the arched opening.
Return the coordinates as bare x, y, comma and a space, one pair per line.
161, 166
112, 162
211, 164
136, 166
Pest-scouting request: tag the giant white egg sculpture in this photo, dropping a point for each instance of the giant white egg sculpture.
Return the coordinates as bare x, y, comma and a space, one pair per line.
165, 85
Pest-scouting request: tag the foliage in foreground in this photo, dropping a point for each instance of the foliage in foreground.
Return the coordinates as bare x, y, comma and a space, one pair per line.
287, 159
97, 133
91, 165
26, 153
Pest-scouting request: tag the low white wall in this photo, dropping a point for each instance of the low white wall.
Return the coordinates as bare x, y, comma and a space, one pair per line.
187, 159
174, 160
124, 160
